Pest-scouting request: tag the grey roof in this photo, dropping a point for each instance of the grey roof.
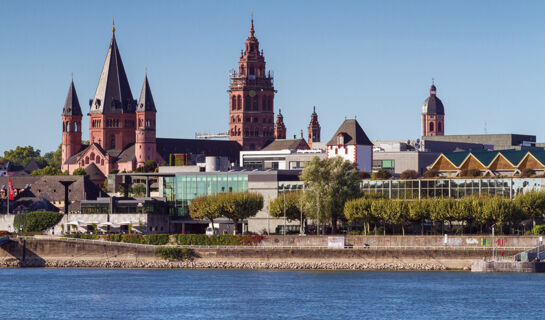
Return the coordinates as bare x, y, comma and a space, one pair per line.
127, 154
113, 94
71, 105
433, 105
230, 149
353, 134
283, 144
146, 103
94, 172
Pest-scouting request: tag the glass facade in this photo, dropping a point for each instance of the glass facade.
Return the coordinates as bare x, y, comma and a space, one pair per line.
181, 189
455, 188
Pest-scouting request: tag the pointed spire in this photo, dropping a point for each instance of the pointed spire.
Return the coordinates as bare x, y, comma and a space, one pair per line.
146, 103
252, 31
71, 105
314, 114
113, 93
113, 26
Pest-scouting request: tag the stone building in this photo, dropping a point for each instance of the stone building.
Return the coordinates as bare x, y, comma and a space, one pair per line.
433, 115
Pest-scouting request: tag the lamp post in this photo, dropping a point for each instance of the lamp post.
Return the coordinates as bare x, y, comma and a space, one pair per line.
493, 244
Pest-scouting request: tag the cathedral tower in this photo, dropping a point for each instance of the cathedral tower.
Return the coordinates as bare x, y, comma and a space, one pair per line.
251, 97
145, 146
313, 128
433, 115
279, 127
71, 124
112, 110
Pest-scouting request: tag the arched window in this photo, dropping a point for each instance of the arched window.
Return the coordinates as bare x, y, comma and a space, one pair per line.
431, 126
63, 127
247, 103
255, 103
92, 156
233, 102
86, 160
112, 142
68, 127
101, 162
76, 127
439, 127
239, 102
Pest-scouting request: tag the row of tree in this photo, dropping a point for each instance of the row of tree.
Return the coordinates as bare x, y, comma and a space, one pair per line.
468, 211
234, 206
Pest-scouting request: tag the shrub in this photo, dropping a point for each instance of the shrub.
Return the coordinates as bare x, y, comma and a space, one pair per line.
409, 174
37, 221
218, 240
82, 236
79, 172
156, 239
112, 237
364, 175
383, 174
539, 229
173, 253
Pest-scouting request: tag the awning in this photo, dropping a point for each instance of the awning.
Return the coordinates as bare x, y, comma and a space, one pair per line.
75, 223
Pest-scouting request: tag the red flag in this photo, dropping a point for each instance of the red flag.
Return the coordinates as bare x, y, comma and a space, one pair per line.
10, 190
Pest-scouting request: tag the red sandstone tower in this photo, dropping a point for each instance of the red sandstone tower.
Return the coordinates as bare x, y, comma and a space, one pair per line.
279, 127
313, 128
145, 146
71, 124
112, 110
251, 96
433, 115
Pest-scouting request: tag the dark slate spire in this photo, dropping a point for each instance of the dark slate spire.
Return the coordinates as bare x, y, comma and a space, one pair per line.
71, 105
145, 103
113, 94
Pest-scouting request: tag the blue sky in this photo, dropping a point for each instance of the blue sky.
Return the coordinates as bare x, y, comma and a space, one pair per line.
370, 59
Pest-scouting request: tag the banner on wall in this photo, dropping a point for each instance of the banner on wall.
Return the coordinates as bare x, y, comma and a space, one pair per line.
335, 242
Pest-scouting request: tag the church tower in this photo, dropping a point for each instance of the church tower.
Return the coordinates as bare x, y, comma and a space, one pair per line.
279, 127
71, 124
112, 110
433, 115
251, 97
313, 128
145, 146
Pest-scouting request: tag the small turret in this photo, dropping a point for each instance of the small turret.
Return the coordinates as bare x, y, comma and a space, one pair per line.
71, 124
313, 128
279, 127
145, 146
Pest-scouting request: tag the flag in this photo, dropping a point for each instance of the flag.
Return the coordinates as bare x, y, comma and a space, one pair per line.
11, 192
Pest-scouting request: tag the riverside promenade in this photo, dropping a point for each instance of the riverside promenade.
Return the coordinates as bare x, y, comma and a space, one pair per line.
273, 252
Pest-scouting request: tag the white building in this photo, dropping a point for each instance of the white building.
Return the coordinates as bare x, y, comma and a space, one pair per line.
351, 143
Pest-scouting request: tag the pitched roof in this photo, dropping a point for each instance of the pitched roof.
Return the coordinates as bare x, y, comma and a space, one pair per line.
127, 154
146, 103
456, 157
71, 105
113, 94
94, 172
230, 149
283, 144
353, 134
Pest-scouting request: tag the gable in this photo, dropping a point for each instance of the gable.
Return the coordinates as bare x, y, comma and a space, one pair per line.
530, 162
443, 164
472, 163
501, 163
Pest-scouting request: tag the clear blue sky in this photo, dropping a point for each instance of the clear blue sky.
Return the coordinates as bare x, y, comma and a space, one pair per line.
370, 59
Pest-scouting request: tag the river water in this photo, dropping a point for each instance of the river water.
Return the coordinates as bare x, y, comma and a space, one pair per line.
231, 294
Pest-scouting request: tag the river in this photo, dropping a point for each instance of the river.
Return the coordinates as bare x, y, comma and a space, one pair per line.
231, 294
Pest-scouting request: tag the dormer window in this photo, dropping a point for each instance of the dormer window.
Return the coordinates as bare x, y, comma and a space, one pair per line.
340, 139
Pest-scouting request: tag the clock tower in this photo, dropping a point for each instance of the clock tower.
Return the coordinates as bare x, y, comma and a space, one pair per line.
251, 97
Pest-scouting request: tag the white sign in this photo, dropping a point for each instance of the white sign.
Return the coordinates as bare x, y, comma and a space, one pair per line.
335, 242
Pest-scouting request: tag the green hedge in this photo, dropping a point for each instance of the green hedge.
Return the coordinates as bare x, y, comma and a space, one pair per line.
173, 253
37, 221
82, 236
155, 239
217, 240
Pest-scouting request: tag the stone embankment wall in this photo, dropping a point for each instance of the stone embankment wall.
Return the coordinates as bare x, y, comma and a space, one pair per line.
474, 241
51, 252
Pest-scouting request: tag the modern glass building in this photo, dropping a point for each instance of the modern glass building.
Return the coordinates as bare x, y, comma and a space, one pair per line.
455, 188
180, 189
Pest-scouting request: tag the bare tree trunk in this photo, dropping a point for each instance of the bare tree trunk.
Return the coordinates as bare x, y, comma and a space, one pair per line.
403, 229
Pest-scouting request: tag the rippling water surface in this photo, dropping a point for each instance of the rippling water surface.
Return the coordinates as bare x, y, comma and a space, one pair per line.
216, 294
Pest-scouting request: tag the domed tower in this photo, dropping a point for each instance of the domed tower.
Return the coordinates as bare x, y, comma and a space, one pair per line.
251, 97
313, 128
71, 124
145, 146
279, 127
433, 115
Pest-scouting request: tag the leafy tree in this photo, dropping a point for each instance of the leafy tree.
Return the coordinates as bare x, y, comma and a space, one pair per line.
359, 210
409, 174
54, 158
139, 190
80, 172
205, 207
418, 212
47, 171
293, 206
149, 166
532, 204
330, 183
22, 155
383, 174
